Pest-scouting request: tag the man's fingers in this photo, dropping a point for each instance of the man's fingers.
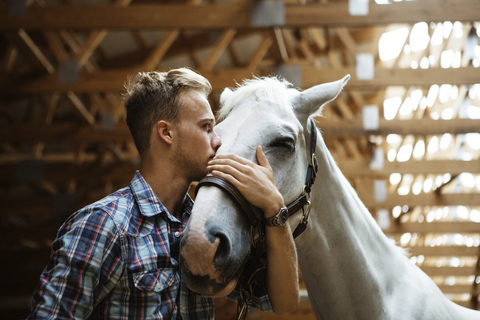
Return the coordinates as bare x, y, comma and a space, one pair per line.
226, 168
229, 162
262, 158
232, 157
227, 177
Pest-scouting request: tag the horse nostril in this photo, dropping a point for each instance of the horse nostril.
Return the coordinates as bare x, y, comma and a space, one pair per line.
222, 256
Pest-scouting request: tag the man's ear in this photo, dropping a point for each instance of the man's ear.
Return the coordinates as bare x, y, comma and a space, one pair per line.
164, 131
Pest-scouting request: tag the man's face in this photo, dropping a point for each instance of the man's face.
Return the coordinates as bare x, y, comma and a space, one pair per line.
197, 141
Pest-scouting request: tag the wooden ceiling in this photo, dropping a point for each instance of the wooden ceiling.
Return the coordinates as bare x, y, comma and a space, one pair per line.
64, 142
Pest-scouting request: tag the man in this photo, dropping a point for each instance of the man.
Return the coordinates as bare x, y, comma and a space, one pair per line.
118, 258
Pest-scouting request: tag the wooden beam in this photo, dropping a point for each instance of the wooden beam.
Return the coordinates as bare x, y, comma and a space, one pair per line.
358, 168
71, 132
430, 199
331, 129
235, 15
109, 81
26, 46
434, 227
444, 250
449, 271
460, 288
393, 77
222, 43
160, 50
105, 81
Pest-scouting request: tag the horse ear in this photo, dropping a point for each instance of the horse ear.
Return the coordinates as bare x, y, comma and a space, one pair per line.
312, 100
224, 96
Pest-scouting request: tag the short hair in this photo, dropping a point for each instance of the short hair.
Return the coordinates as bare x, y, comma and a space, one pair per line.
154, 96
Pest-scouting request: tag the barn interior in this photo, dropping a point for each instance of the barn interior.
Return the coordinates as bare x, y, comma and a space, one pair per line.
405, 131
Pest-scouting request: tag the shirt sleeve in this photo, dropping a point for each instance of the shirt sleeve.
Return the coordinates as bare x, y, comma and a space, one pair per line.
85, 265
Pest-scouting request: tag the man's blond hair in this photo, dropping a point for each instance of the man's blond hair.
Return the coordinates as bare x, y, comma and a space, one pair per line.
154, 96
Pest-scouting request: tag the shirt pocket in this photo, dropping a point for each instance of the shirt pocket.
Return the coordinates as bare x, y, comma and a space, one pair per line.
155, 280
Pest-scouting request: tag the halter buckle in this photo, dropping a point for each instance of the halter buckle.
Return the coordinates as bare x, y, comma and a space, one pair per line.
256, 237
314, 164
306, 212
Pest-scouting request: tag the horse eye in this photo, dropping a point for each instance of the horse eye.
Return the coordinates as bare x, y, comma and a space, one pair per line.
286, 143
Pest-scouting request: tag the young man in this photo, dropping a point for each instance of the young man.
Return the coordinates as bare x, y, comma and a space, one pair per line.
118, 258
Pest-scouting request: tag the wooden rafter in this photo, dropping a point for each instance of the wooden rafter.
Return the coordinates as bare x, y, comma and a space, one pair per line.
236, 15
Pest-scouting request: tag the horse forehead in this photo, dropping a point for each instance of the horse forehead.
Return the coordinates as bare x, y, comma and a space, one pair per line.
253, 116
242, 132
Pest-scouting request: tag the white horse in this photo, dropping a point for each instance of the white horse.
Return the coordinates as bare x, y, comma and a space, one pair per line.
351, 269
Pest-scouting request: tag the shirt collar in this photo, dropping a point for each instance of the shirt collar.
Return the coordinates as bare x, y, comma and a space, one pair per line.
148, 202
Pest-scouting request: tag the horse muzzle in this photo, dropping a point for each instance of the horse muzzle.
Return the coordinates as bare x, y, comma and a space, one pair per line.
215, 244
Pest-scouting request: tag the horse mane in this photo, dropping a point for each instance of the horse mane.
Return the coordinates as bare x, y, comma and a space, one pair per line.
274, 89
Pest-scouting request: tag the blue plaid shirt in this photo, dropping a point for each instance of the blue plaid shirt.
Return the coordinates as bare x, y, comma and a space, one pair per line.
118, 259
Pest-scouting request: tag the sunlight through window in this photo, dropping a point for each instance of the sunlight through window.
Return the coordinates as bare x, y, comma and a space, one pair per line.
457, 60
405, 238
447, 28
445, 141
396, 211
437, 37
395, 178
447, 114
427, 185
390, 107
473, 140
391, 154
391, 43
403, 191
432, 94
475, 215
444, 94
416, 98
417, 188
404, 153
467, 179
433, 145
419, 150
406, 107
424, 64
446, 177
454, 94
446, 58
419, 37
473, 112
393, 138
458, 29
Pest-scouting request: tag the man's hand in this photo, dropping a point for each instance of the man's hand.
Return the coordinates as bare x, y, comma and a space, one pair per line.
255, 182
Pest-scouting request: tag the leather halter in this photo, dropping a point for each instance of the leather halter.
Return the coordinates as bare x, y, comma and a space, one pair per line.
299, 203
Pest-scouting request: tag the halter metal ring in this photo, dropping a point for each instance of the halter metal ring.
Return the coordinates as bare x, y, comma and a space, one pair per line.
314, 160
307, 211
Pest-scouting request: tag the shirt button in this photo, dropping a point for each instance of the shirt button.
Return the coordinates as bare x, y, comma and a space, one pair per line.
177, 234
158, 286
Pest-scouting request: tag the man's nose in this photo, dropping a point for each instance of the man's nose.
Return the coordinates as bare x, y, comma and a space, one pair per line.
216, 141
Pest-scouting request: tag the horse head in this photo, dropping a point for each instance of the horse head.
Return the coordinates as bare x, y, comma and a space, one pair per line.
265, 112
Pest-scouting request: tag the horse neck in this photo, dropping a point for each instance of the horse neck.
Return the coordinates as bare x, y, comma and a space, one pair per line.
351, 269
343, 253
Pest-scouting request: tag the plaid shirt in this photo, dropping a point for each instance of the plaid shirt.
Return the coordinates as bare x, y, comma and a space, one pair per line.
118, 259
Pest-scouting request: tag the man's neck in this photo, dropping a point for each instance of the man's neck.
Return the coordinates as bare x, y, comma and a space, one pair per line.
170, 188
